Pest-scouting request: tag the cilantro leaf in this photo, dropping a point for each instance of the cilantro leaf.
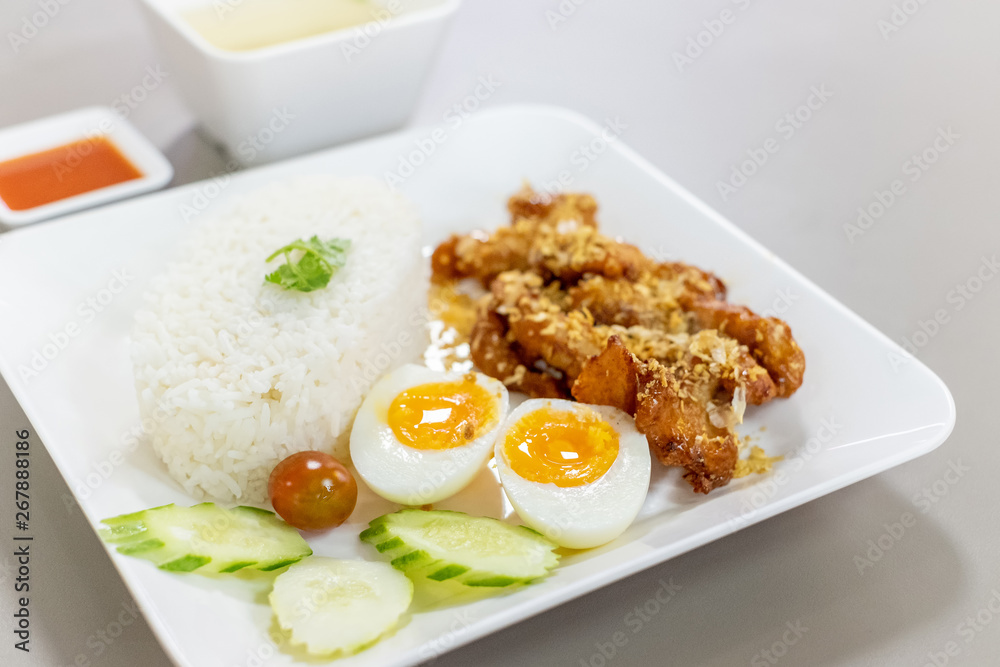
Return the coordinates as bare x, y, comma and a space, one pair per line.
316, 264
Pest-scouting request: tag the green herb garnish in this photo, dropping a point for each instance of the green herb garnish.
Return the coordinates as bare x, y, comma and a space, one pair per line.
314, 268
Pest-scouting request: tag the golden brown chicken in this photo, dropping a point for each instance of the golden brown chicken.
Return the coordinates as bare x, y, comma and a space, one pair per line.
573, 313
676, 420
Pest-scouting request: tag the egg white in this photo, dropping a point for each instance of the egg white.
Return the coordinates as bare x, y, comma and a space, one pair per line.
411, 476
581, 517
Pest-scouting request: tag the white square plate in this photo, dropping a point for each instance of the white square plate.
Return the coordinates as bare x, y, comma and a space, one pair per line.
68, 291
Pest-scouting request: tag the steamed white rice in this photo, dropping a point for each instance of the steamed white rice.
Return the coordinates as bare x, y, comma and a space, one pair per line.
235, 374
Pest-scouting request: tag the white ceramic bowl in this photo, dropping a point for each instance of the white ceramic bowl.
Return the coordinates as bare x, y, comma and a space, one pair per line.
40, 135
298, 96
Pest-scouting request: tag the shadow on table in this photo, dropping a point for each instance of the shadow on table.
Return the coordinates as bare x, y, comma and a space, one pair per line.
806, 569
194, 157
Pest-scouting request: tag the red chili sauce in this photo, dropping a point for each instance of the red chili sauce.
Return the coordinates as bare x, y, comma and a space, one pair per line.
65, 171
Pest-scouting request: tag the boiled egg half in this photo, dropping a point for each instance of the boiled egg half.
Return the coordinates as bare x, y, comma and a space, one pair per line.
422, 435
576, 473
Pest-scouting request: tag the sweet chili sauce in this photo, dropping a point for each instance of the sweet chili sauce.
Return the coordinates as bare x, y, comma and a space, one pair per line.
65, 171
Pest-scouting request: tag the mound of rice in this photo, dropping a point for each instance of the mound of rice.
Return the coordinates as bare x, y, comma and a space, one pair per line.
235, 374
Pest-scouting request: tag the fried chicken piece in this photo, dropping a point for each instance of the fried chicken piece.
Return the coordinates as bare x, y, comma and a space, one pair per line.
612, 377
681, 432
751, 377
696, 281
678, 426
651, 301
539, 325
538, 321
485, 256
553, 338
445, 262
494, 355
768, 338
557, 236
481, 257
553, 209
570, 254
572, 312
566, 252
650, 304
650, 313
714, 358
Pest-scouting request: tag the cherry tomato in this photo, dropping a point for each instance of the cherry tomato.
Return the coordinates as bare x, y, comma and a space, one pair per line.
312, 491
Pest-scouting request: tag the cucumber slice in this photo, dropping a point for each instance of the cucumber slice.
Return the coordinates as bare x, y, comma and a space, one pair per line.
442, 545
331, 605
207, 538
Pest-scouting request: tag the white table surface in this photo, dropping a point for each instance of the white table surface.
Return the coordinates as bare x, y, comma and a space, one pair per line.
890, 97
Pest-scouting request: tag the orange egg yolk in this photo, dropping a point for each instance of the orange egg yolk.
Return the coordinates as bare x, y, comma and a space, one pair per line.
561, 447
442, 415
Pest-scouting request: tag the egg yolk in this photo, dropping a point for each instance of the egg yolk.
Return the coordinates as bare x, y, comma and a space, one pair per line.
442, 415
561, 447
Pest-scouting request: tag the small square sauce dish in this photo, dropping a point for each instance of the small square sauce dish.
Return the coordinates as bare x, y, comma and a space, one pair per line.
76, 160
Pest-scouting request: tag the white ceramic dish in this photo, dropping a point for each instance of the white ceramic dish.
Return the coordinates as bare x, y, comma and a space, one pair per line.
55, 131
860, 411
291, 98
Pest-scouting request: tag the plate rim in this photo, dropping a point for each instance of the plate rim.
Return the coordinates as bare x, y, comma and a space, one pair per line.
585, 584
